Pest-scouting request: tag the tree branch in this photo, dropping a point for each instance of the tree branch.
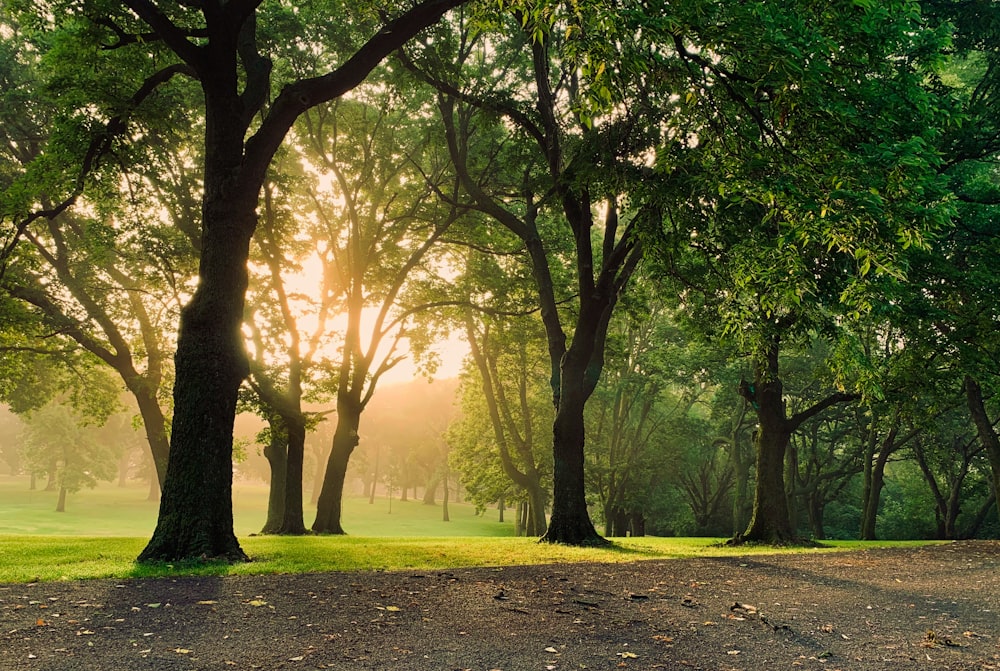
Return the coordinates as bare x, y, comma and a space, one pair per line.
298, 97
840, 397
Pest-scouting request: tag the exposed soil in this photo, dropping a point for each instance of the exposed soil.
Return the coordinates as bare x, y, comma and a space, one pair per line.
927, 608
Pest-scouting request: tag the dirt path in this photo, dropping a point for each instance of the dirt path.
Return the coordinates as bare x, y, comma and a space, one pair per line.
930, 608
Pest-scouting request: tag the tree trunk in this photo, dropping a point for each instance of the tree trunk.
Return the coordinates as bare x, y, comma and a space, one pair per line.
501, 506
371, 495
521, 519
155, 426
444, 499
430, 490
873, 488
769, 521
276, 454
637, 523
570, 522
345, 439
816, 508
984, 428
196, 509
61, 503
741, 517
292, 521
154, 489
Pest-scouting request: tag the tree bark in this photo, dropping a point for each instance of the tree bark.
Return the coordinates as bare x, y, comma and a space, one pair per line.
770, 521
276, 453
570, 522
61, 503
874, 481
345, 439
984, 428
292, 521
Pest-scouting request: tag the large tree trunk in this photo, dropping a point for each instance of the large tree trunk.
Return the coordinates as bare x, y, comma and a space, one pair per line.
984, 428
61, 503
345, 439
196, 511
769, 521
570, 522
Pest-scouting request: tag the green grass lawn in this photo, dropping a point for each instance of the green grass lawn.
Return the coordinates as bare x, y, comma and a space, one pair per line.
110, 510
104, 530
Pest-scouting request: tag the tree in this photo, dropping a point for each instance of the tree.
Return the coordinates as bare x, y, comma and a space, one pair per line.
106, 275
288, 332
219, 45
529, 157
62, 441
497, 441
382, 225
807, 183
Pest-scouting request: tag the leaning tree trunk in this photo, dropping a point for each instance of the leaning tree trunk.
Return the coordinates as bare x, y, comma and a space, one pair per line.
345, 439
61, 503
987, 434
155, 426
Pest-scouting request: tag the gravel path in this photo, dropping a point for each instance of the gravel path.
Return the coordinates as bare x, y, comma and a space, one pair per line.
930, 608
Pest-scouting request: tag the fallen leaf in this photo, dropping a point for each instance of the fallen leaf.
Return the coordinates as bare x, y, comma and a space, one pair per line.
153, 605
550, 649
182, 651
40, 623
393, 609
296, 659
257, 603
628, 655
207, 603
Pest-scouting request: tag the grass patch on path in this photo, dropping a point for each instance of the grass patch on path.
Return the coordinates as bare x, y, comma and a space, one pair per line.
44, 558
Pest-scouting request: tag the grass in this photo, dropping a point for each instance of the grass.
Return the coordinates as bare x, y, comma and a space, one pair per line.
104, 530
110, 510
45, 558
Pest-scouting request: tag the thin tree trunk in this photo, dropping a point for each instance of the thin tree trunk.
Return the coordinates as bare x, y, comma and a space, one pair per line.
61, 503
444, 499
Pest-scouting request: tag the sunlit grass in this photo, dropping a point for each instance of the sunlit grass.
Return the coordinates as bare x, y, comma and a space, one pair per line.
110, 510
45, 558
104, 530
